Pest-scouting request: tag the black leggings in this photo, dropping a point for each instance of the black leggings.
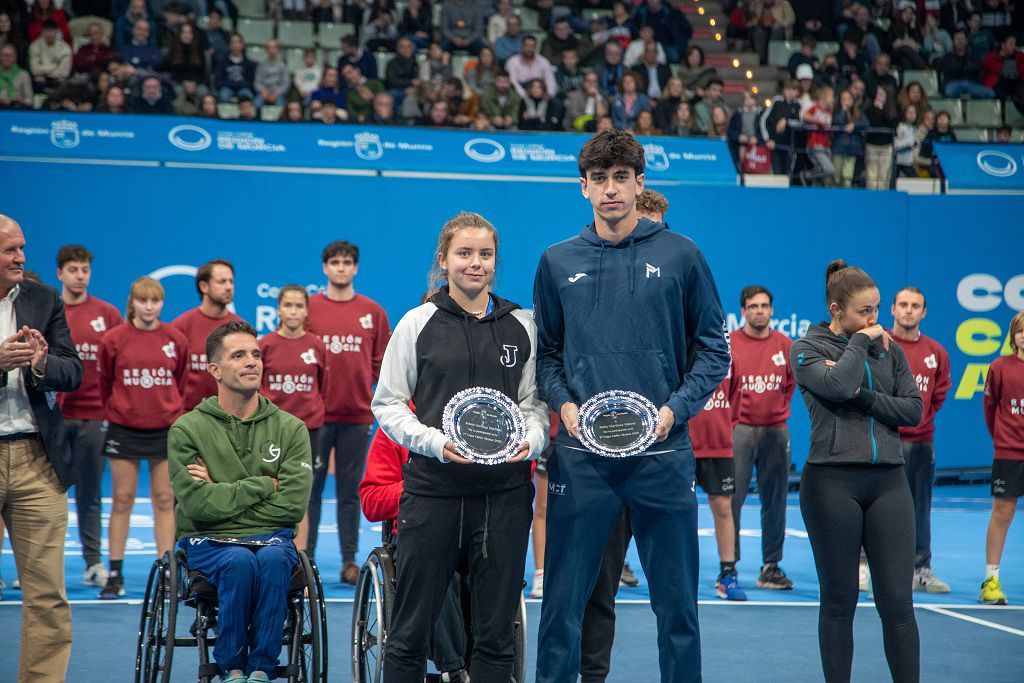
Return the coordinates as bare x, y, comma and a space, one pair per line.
844, 507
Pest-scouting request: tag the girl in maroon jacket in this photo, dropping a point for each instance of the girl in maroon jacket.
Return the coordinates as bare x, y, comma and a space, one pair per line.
293, 373
1004, 417
143, 364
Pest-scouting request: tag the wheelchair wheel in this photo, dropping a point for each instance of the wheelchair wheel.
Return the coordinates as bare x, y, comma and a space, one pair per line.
519, 644
307, 644
155, 649
371, 616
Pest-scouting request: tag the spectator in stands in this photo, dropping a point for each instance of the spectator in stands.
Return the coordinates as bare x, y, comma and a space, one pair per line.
437, 115
881, 113
771, 20
328, 113
712, 97
995, 18
610, 69
808, 87
528, 65
461, 109
481, 123
216, 36
695, 74
805, 56
351, 53
151, 99
568, 75
851, 62
272, 80
207, 107
538, 110
561, 39
937, 42
848, 140
10, 35
584, 107
114, 102
961, 71
1004, 135
775, 124
141, 52
293, 112
864, 33
15, 82
905, 143
233, 75
187, 98
186, 60
307, 77
329, 89
462, 25
359, 92
438, 64
42, 11
175, 15
401, 76
653, 76
913, 94
293, 10
880, 76
683, 123
718, 123
479, 73
383, 110
813, 17
743, 125
49, 59
511, 42
671, 27
818, 119
905, 38
95, 55
629, 102
417, 23
671, 96
1003, 72
380, 26
981, 39
635, 51
497, 24
246, 109
923, 159
645, 124
501, 103
618, 28
943, 132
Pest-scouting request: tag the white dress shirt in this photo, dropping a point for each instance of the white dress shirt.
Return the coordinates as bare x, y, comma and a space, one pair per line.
16, 416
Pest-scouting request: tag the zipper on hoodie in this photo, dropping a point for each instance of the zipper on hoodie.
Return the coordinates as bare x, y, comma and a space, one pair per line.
871, 420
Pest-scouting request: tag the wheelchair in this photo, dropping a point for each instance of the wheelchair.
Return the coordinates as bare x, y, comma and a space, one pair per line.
372, 610
171, 584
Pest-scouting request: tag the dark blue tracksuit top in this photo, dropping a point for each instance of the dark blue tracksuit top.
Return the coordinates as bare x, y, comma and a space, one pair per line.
621, 316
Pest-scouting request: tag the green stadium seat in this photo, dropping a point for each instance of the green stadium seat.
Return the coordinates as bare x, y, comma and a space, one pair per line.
1017, 135
293, 57
382, 63
984, 113
435, 15
256, 53
256, 31
1014, 117
330, 35
529, 17
779, 52
270, 112
251, 8
227, 110
459, 63
953, 107
929, 80
330, 56
296, 33
824, 48
971, 135
592, 14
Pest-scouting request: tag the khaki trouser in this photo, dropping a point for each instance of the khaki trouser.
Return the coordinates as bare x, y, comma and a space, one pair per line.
878, 164
35, 511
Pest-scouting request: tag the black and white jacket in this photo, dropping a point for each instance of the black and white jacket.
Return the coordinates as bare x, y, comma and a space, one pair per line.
438, 350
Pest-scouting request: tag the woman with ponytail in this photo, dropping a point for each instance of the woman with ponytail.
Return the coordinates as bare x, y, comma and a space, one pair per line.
859, 391
143, 365
454, 512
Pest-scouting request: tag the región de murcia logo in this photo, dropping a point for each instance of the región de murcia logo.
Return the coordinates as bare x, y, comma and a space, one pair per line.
289, 384
717, 400
147, 378
762, 383
339, 343
1016, 406
923, 381
87, 351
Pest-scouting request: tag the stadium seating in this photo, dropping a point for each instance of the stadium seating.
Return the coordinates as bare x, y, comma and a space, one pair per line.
256, 30
296, 33
953, 107
929, 80
984, 113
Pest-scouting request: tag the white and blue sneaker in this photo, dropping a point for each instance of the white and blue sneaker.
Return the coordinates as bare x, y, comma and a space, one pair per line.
727, 587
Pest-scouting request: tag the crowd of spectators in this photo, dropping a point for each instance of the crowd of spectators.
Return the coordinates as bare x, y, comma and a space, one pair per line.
583, 65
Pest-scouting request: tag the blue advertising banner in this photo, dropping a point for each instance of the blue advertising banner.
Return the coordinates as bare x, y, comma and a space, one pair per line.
358, 149
982, 168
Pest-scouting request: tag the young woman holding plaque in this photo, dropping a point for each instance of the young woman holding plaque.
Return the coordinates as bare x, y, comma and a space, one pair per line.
454, 509
859, 391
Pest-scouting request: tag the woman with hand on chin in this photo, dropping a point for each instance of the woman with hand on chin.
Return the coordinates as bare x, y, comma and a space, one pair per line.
454, 511
859, 391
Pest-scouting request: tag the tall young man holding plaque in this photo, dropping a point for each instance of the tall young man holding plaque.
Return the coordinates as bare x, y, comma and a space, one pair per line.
630, 347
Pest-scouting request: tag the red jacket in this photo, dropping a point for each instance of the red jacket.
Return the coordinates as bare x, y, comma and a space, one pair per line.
381, 486
929, 363
711, 429
1004, 407
992, 67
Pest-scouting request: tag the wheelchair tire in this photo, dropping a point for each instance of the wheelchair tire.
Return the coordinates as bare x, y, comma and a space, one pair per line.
519, 644
307, 644
155, 649
371, 616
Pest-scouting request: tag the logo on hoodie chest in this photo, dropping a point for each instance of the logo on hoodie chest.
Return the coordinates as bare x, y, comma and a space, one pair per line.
510, 356
270, 451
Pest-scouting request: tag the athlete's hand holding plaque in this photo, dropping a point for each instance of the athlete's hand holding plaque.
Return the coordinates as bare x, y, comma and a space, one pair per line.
618, 424
485, 425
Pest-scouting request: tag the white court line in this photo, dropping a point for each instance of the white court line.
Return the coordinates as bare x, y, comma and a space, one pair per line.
974, 620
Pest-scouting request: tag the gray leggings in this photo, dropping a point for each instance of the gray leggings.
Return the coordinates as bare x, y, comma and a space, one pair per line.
767, 449
86, 438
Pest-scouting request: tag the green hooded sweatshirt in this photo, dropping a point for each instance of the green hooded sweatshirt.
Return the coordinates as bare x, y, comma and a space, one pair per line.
242, 457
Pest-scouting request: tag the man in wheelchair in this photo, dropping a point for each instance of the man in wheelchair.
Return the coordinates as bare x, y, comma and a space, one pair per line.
241, 473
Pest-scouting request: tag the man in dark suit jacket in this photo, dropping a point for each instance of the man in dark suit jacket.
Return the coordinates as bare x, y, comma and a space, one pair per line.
648, 66
37, 359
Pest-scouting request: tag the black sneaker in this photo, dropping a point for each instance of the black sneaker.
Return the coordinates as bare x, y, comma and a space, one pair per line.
628, 578
773, 578
114, 588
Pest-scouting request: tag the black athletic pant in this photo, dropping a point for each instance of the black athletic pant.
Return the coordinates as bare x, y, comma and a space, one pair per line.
349, 442
919, 461
598, 632
767, 450
86, 438
490, 535
845, 506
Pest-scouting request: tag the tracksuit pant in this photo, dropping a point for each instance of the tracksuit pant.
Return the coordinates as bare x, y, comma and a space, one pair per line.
349, 442
252, 591
767, 449
919, 462
489, 534
86, 438
585, 495
598, 633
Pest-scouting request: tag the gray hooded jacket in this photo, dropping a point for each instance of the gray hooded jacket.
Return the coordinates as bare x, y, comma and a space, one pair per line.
849, 429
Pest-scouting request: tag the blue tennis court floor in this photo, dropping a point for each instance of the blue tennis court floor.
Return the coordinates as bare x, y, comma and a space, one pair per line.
773, 637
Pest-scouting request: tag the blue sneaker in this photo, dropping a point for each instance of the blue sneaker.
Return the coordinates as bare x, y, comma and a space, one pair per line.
727, 587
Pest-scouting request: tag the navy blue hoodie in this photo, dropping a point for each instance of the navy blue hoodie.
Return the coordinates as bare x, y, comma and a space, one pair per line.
624, 316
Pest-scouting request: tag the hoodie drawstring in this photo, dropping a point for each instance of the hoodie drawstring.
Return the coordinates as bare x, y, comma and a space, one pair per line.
462, 510
600, 276
632, 265
469, 347
487, 521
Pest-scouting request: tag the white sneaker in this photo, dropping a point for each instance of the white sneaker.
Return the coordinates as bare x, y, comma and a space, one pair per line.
925, 580
865, 578
95, 575
537, 591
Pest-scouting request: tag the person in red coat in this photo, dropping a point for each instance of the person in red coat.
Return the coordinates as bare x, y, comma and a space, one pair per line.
43, 11
1003, 71
143, 365
1004, 417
